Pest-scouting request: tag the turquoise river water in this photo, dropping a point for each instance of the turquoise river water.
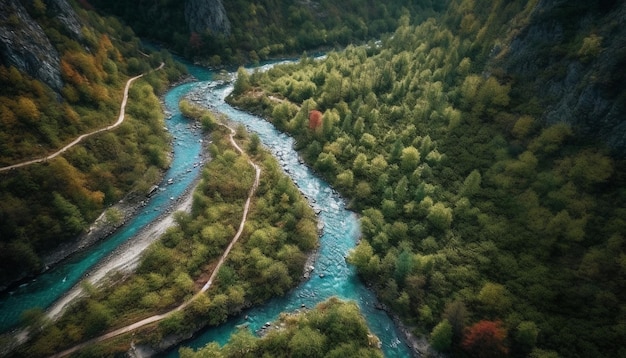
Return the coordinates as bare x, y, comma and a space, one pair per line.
332, 275
46, 288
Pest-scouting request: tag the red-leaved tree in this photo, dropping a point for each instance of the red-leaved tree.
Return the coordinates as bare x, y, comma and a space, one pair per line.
315, 119
486, 339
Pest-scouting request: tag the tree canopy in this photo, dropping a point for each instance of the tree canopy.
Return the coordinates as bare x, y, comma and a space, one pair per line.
464, 196
332, 329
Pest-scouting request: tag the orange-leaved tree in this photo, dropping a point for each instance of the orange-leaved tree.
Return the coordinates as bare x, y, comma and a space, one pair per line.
486, 339
315, 119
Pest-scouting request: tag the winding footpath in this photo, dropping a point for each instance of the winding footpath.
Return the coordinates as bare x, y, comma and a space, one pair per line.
206, 286
120, 120
246, 208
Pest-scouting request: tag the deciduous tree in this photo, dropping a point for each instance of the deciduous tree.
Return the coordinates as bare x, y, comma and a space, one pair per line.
441, 336
486, 339
315, 119
409, 159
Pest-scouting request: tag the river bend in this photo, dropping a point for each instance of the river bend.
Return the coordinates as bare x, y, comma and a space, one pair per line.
332, 276
49, 286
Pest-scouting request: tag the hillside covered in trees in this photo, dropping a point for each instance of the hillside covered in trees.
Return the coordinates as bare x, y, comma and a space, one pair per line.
263, 29
480, 141
489, 228
44, 205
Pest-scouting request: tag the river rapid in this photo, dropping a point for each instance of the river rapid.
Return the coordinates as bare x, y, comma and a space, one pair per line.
332, 276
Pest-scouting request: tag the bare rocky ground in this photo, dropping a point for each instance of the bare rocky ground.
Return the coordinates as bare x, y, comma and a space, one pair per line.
125, 258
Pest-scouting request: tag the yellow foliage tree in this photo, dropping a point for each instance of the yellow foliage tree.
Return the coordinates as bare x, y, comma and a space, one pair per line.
26, 110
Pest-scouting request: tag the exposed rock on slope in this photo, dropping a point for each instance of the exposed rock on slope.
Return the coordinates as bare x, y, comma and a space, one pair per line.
203, 15
64, 12
579, 79
24, 44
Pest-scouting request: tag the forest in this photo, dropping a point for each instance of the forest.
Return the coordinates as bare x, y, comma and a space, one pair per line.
267, 261
44, 205
486, 228
488, 231
267, 29
332, 329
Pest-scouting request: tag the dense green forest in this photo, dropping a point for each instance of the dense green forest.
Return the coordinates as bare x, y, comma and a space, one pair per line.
45, 204
267, 261
485, 229
332, 329
267, 28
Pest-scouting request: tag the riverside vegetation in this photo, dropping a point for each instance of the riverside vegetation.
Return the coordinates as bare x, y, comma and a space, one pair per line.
45, 205
267, 260
485, 228
489, 232
332, 329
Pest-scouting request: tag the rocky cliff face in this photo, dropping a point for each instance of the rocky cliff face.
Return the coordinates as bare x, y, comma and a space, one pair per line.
202, 15
66, 15
573, 55
24, 44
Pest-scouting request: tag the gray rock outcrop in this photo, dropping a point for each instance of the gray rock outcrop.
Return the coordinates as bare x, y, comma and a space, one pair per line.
586, 91
203, 15
64, 12
24, 44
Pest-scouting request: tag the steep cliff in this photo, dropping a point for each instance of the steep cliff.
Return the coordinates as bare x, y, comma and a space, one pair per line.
570, 59
62, 74
24, 44
203, 15
66, 15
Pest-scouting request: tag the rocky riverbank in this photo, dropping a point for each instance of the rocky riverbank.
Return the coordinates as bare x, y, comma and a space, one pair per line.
125, 258
99, 229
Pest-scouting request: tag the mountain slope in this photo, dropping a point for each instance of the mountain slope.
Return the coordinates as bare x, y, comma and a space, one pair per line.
571, 57
245, 31
482, 216
25, 45
62, 74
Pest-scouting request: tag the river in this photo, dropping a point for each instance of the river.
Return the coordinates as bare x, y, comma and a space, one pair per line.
49, 286
332, 275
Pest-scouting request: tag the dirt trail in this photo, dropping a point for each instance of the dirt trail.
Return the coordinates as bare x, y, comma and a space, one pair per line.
120, 120
206, 286
58, 307
125, 258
